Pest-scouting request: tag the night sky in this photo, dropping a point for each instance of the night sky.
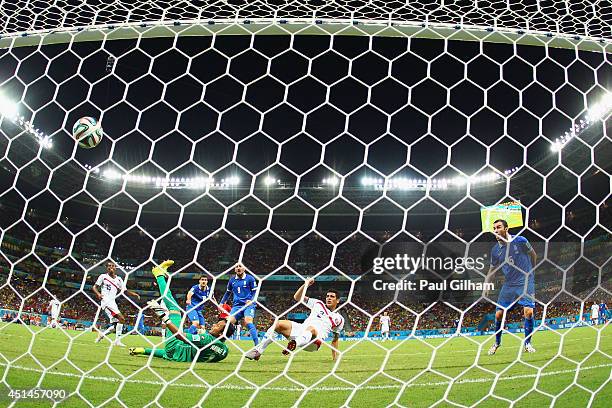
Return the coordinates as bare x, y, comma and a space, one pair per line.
411, 104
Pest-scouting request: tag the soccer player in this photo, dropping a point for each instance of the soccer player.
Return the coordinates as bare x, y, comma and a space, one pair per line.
594, 313
244, 289
603, 313
195, 304
54, 309
516, 258
107, 287
185, 347
322, 321
385, 321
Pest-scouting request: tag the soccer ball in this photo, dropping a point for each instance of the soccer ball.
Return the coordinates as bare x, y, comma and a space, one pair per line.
87, 131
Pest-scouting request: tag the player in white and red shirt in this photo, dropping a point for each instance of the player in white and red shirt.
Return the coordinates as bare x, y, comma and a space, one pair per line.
385, 323
54, 309
110, 286
323, 321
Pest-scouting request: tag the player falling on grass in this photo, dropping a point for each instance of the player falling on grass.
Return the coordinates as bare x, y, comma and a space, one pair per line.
243, 287
54, 310
516, 258
205, 347
107, 287
196, 297
322, 322
385, 322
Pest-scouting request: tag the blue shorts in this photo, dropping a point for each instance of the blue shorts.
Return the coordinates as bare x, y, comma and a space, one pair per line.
242, 311
196, 316
511, 295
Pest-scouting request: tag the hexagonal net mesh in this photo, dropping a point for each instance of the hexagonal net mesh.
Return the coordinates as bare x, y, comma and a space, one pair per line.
340, 141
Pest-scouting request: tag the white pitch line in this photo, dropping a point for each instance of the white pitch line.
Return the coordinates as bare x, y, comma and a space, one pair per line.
367, 387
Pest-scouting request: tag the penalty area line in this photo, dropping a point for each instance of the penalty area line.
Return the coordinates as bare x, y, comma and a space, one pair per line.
367, 387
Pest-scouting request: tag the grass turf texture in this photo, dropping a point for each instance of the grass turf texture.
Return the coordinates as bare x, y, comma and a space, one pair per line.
573, 363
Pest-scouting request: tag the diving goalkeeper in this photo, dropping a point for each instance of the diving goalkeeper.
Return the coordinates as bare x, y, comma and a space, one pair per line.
185, 347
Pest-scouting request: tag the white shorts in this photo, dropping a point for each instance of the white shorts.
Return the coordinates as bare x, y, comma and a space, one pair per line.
385, 329
55, 314
298, 329
111, 309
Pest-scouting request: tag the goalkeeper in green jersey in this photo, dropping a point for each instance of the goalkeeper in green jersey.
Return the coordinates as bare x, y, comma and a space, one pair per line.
206, 347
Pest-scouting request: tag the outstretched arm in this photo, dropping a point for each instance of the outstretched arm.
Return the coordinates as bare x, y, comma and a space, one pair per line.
172, 327
533, 257
299, 294
132, 293
488, 279
189, 294
97, 292
227, 293
164, 316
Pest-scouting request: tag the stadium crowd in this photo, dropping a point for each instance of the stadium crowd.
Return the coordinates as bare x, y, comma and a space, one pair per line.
62, 260
362, 313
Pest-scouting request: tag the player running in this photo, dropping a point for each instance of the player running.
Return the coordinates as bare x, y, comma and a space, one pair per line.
309, 335
107, 287
196, 297
184, 347
54, 309
244, 289
594, 313
516, 258
385, 322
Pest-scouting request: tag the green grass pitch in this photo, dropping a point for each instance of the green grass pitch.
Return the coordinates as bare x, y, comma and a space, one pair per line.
571, 368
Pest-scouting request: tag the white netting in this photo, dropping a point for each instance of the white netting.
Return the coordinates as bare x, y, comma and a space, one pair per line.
300, 155
585, 18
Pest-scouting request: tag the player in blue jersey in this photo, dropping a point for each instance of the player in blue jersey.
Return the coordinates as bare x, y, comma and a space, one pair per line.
603, 313
516, 258
196, 297
243, 287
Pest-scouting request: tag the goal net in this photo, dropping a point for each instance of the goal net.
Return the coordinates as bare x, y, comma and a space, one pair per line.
372, 146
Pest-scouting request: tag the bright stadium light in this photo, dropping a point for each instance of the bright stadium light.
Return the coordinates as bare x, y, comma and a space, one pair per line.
8, 108
597, 112
46, 142
111, 174
332, 181
269, 180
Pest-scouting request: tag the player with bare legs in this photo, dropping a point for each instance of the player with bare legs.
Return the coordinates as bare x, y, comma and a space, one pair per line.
309, 335
107, 287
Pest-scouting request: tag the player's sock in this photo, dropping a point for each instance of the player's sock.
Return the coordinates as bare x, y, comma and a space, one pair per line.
253, 332
498, 332
529, 322
268, 338
167, 295
156, 352
108, 331
192, 329
119, 331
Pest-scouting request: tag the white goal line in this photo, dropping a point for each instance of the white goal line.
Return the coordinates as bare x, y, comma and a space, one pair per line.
366, 387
